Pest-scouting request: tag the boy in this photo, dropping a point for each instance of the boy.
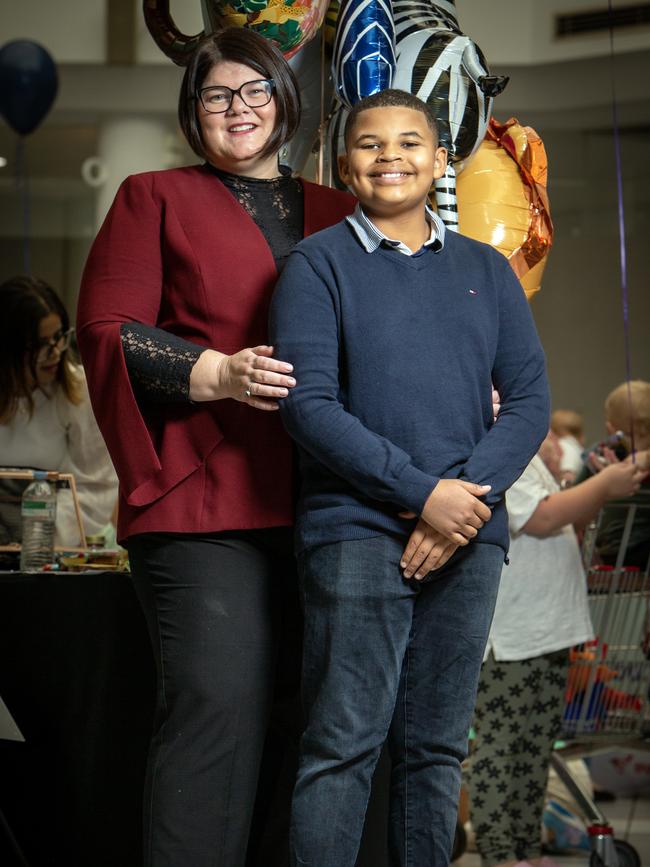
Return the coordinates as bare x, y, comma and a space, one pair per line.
396, 330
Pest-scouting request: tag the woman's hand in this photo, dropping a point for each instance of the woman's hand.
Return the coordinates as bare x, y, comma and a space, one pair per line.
426, 551
622, 479
250, 376
496, 403
641, 459
597, 461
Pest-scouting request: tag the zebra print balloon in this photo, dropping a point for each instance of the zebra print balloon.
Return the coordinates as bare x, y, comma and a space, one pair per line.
445, 69
439, 64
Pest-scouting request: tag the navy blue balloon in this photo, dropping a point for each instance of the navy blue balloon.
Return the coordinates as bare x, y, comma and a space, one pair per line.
363, 60
28, 84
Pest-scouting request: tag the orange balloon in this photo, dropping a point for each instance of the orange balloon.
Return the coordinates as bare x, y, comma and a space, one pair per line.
502, 199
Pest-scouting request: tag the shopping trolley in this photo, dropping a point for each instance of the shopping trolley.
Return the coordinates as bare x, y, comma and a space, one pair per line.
607, 695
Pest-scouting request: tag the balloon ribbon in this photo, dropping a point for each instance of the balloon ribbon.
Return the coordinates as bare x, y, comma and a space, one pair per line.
22, 185
621, 232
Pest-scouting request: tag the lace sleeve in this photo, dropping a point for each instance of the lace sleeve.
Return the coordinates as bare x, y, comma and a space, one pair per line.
159, 363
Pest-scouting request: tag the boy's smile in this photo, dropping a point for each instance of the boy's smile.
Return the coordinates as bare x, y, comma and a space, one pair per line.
392, 158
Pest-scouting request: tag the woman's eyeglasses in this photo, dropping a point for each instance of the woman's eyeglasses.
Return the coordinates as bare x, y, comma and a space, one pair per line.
254, 94
60, 341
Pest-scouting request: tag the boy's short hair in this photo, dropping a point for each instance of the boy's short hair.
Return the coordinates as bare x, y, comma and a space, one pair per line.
390, 98
567, 422
634, 396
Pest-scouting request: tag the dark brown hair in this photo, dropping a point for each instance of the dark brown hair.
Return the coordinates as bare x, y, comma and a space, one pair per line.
240, 45
388, 99
24, 301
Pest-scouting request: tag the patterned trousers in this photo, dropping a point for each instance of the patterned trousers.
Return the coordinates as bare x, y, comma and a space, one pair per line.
517, 719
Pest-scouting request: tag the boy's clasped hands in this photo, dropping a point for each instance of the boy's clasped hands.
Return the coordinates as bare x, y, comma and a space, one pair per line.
430, 544
452, 516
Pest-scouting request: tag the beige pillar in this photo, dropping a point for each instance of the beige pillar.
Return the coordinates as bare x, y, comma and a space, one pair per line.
126, 146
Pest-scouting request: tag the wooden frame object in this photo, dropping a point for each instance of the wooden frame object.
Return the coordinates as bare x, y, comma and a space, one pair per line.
51, 476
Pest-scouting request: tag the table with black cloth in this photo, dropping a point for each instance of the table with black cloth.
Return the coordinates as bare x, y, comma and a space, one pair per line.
77, 674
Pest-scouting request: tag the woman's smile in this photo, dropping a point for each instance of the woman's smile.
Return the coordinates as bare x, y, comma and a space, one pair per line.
242, 128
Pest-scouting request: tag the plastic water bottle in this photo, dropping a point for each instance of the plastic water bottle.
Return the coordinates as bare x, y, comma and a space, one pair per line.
38, 512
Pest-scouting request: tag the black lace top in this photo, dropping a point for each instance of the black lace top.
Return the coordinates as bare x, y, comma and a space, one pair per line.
275, 205
159, 363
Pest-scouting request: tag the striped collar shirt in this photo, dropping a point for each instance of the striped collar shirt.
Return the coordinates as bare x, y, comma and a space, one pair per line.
370, 237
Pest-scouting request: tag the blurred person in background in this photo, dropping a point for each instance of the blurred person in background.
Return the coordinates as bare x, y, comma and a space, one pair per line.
568, 427
541, 611
46, 420
627, 423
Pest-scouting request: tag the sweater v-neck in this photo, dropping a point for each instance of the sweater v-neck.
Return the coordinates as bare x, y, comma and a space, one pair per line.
416, 262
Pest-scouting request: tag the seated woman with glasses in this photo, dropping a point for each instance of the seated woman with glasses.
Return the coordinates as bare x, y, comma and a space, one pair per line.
172, 324
46, 421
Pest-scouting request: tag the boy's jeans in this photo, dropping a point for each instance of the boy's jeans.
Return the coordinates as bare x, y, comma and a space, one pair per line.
386, 658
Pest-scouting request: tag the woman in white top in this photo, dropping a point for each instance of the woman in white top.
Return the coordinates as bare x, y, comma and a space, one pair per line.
541, 611
46, 421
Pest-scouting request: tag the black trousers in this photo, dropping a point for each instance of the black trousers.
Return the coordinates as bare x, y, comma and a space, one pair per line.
225, 626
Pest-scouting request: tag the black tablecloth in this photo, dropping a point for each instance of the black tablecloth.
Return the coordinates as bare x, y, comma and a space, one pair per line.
77, 674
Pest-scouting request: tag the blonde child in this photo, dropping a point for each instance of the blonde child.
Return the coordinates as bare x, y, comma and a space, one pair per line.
627, 421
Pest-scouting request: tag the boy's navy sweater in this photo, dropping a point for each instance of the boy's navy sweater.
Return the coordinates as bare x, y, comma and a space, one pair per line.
394, 358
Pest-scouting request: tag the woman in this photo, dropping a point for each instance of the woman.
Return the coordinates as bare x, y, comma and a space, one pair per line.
541, 611
172, 324
46, 421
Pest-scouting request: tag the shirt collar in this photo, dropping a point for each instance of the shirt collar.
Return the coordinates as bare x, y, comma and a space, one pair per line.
370, 237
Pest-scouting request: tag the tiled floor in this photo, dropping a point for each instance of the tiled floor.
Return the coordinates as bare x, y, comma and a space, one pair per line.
630, 820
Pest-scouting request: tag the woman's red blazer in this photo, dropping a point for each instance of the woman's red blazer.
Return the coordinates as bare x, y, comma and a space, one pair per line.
178, 251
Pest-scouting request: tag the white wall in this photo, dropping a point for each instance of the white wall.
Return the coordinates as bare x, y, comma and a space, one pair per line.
508, 31
522, 31
71, 30
578, 310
